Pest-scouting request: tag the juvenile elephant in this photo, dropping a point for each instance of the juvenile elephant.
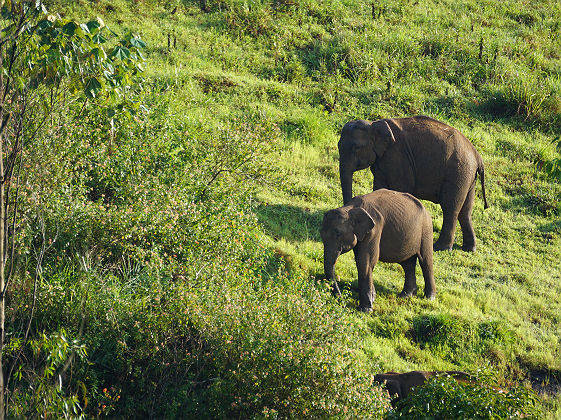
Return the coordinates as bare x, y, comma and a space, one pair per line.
383, 225
400, 385
421, 156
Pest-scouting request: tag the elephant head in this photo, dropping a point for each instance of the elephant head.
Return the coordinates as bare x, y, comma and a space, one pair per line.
361, 143
341, 230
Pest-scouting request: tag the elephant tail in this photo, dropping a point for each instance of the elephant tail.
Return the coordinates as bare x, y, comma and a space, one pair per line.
481, 172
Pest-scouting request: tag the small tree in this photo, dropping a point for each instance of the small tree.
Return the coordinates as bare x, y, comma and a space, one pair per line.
47, 62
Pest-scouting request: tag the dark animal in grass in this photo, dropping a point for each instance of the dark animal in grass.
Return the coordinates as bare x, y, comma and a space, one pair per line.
399, 385
421, 156
383, 225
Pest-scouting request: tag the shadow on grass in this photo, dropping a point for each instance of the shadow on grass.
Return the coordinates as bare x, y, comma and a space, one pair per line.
545, 382
291, 223
546, 205
547, 228
490, 106
349, 291
352, 287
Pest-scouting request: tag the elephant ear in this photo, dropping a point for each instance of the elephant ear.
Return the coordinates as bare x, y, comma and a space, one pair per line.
382, 137
362, 222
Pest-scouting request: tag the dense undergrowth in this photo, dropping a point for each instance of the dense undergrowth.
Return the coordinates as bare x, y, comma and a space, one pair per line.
182, 269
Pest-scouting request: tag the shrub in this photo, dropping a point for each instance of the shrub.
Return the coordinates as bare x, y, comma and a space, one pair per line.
444, 397
307, 127
40, 387
553, 166
518, 91
274, 352
155, 190
229, 343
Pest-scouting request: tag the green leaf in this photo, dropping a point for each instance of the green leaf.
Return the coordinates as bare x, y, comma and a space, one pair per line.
92, 88
108, 67
557, 140
120, 52
20, 82
137, 42
70, 28
108, 76
98, 38
98, 52
93, 26
43, 25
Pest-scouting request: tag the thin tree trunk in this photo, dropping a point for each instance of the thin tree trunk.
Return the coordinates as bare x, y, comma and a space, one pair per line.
3, 123
2, 275
4, 119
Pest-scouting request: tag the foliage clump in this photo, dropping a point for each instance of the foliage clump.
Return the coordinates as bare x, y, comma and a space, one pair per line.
444, 397
170, 289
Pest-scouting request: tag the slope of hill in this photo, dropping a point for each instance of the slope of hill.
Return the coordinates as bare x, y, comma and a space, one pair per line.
188, 259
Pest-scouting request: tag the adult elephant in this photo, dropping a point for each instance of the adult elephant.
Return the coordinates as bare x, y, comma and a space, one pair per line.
421, 156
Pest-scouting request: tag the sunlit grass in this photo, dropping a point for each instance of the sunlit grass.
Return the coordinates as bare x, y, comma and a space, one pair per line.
489, 69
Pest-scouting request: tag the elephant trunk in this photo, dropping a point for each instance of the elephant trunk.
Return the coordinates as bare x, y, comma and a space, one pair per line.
346, 176
329, 260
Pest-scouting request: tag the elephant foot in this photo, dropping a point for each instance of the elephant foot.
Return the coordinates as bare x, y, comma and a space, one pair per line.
365, 308
441, 247
407, 293
468, 248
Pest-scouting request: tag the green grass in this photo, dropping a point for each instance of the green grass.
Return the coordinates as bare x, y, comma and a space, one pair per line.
295, 72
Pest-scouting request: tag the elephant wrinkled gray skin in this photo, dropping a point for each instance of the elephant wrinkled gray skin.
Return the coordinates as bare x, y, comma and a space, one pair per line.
383, 225
421, 156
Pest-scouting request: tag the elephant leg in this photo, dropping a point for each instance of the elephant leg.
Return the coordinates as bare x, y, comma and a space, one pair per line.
451, 201
446, 239
394, 388
410, 285
425, 261
379, 179
364, 264
466, 223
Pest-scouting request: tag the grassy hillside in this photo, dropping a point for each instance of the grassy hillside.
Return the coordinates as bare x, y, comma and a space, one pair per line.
187, 257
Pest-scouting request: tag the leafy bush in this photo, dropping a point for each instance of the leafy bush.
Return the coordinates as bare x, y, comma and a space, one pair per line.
274, 353
227, 344
444, 397
105, 186
39, 387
